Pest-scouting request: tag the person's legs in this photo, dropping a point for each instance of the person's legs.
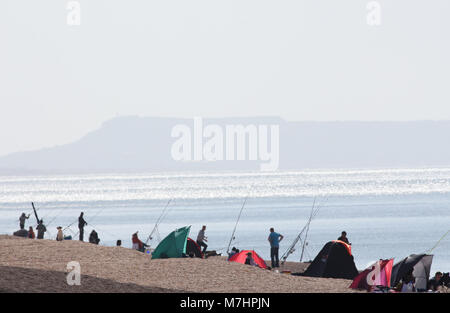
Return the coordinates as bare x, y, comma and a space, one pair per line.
277, 262
81, 234
22, 226
272, 256
202, 244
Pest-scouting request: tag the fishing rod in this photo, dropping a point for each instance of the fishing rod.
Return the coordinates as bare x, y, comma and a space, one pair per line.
439, 241
102, 230
68, 227
54, 218
291, 249
237, 221
93, 217
158, 221
35, 213
307, 229
313, 214
223, 248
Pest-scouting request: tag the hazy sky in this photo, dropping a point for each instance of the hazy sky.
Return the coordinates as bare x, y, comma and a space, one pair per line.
301, 60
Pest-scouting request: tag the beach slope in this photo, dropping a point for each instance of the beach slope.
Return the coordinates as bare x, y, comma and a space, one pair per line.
41, 266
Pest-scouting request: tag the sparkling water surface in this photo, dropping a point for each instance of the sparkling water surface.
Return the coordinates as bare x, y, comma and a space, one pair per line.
386, 212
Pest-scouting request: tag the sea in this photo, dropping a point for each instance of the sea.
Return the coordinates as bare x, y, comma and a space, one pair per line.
387, 213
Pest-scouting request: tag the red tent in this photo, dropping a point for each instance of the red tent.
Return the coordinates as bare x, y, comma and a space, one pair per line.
193, 248
378, 274
241, 256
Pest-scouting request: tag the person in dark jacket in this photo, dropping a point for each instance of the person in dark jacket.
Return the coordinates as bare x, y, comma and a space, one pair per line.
93, 237
22, 219
435, 282
81, 224
41, 229
344, 238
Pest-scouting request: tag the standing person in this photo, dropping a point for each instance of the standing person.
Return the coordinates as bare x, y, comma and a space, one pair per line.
274, 239
22, 219
344, 238
31, 234
81, 224
201, 238
41, 229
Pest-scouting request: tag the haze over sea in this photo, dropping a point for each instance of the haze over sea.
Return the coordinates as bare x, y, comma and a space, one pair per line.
386, 212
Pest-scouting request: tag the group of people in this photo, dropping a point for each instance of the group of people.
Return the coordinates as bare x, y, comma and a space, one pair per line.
42, 229
138, 245
407, 283
274, 241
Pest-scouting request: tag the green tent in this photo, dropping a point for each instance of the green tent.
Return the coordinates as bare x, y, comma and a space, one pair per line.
174, 245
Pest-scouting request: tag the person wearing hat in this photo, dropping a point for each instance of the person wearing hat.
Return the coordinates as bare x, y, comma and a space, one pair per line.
60, 235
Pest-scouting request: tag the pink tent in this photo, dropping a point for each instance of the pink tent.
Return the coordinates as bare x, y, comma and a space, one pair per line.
378, 274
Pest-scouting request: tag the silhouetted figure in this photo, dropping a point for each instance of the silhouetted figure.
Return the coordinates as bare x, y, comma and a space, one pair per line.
41, 229
119, 243
344, 238
93, 237
22, 219
81, 224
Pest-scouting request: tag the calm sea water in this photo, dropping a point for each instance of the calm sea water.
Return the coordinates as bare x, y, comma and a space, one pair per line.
386, 213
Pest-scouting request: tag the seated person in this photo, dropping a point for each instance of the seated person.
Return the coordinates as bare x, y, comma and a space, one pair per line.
137, 243
249, 260
435, 282
232, 252
93, 237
